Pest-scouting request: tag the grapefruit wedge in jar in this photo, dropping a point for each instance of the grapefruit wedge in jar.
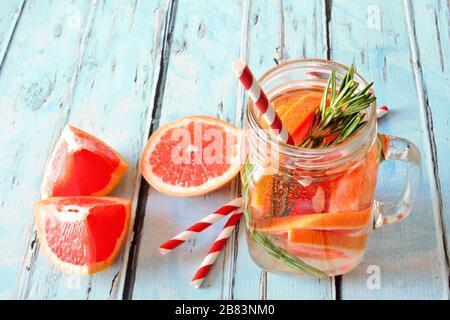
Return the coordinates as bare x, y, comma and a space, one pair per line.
82, 235
82, 165
191, 156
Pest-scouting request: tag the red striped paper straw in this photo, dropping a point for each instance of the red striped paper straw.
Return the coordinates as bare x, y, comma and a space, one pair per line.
182, 237
216, 248
382, 111
259, 98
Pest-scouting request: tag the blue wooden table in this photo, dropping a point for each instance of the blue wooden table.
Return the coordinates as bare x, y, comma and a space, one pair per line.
119, 69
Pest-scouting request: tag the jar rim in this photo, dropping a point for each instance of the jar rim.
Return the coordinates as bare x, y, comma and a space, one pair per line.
352, 143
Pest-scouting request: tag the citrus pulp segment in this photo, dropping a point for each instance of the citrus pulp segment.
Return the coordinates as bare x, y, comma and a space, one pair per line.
82, 235
82, 165
192, 156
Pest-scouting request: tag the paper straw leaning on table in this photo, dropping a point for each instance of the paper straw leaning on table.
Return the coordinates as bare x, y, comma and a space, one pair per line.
259, 98
216, 248
200, 226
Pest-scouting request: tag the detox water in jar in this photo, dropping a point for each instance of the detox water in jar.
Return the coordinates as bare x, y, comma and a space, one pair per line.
307, 210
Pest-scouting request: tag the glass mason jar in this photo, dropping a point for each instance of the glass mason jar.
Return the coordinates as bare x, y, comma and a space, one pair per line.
311, 210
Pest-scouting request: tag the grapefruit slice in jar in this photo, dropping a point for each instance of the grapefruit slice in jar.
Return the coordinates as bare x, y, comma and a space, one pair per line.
299, 117
260, 197
346, 191
355, 189
312, 251
308, 199
82, 165
353, 220
192, 156
327, 239
82, 235
316, 252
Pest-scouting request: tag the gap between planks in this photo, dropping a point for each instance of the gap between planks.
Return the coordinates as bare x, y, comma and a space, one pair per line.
336, 282
426, 112
8, 40
233, 247
423, 101
327, 7
131, 261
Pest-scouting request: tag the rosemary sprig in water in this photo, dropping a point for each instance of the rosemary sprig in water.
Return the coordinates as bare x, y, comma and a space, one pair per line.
275, 251
341, 111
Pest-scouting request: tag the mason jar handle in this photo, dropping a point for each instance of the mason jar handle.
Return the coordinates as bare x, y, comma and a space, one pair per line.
395, 148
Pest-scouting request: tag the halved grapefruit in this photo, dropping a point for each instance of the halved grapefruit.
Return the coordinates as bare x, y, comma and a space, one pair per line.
191, 156
82, 165
82, 235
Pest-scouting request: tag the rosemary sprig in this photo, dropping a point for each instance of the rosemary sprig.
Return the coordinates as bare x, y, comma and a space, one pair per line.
341, 111
277, 252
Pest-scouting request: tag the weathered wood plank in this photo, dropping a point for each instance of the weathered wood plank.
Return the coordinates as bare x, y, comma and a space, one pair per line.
409, 255
284, 30
431, 21
204, 42
10, 12
32, 88
111, 97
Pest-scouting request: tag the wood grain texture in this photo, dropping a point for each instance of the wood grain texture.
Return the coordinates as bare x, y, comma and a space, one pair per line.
10, 12
431, 33
105, 88
282, 30
112, 98
204, 42
409, 254
119, 69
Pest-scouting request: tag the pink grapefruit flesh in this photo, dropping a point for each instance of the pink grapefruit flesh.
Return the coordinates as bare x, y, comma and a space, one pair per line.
82, 165
191, 156
82, 235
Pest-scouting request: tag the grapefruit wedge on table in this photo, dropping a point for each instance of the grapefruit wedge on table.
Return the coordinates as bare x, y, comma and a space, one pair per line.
191, 156
82, 165
82, 235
